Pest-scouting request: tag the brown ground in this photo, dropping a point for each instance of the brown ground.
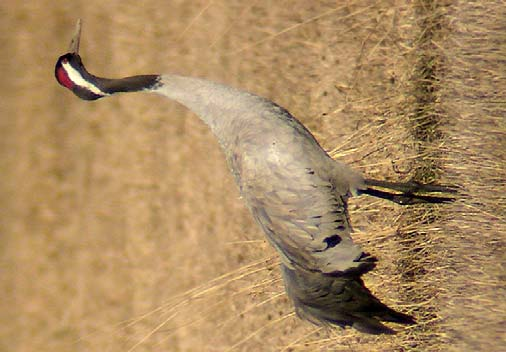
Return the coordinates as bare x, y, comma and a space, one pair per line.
121, 228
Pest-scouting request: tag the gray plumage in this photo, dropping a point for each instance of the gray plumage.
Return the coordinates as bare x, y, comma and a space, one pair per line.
295, 191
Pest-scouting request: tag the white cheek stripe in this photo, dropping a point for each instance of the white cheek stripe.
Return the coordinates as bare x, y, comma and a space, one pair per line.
78, 80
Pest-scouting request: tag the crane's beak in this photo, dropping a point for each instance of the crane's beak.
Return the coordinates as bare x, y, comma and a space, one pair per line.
74, 43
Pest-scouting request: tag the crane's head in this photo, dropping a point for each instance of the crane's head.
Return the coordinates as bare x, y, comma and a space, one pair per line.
71, 73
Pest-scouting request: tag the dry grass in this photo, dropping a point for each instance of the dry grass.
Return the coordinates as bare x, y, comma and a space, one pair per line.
123, 231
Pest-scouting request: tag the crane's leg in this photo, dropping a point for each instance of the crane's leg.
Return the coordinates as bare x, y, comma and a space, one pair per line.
406, 193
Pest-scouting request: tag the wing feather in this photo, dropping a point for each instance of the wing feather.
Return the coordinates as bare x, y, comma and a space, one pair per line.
309, 225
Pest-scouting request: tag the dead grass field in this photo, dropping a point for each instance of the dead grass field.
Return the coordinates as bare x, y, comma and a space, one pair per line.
122, 230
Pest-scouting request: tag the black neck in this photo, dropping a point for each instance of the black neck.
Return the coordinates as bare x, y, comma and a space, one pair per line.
127, 84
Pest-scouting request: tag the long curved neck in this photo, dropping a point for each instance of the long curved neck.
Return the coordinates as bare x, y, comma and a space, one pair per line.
221, 107
226, 110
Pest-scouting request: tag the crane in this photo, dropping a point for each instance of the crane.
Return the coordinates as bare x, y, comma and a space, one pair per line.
295, 191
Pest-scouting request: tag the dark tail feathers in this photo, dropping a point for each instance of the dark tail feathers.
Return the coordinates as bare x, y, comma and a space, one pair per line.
339, 300
409, 192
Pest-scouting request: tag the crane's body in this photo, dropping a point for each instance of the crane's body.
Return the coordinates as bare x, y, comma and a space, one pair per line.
283, 174
295, 191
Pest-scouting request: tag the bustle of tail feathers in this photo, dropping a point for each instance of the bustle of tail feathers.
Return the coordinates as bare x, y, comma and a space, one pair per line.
339, 300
